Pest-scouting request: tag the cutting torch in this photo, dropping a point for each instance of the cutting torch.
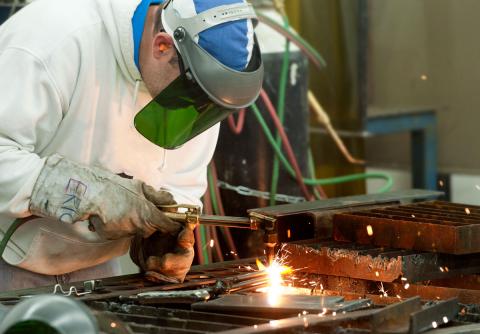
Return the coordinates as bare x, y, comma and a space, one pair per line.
191, 214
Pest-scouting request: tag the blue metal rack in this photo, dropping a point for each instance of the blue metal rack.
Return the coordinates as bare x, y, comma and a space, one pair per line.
422, 125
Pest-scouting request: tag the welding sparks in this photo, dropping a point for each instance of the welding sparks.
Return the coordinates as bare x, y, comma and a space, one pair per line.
369, 230
324, 311
275, 288
382, 291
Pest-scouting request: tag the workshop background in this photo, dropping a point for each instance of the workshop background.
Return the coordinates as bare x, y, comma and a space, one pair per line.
398, 83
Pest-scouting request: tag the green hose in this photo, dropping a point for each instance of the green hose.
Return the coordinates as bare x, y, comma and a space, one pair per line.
326, 181
281, 113
311, 171
296, 37
213, 196
203, 238
15, 225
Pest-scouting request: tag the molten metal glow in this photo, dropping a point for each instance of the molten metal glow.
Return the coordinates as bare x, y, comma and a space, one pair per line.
275, 288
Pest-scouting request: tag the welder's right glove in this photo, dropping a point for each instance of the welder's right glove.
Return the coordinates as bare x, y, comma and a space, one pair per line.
116, 207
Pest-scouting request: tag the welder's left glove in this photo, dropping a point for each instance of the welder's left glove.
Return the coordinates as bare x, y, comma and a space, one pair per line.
163, 257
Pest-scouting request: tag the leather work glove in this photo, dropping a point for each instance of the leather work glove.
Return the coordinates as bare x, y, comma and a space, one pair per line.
116, 207
163, 257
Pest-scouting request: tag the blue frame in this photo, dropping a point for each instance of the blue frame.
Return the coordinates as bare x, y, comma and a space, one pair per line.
422, 126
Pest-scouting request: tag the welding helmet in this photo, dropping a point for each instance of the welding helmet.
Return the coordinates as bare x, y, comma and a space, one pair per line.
207, 90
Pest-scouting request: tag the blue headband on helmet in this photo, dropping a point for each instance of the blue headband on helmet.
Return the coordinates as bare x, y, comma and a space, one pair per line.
227, 42
138, 22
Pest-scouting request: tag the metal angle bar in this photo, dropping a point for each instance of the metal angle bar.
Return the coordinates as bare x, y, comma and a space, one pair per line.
151, 329
172, 322
348, 202
176, 313
465, 329
395, 318
434, 315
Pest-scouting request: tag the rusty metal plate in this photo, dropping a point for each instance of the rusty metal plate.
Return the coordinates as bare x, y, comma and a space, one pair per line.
376, 263
429, 226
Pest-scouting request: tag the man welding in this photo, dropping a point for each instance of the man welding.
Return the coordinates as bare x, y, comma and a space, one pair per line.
110, 109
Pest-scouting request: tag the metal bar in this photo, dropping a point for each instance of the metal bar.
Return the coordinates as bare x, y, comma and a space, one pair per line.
465, 329
151, 329
347, 202
176, 313
399, 290
395, 318
376, 264
434, 315
170, 322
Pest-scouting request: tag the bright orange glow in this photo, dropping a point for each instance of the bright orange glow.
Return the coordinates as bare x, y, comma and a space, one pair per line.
275, 288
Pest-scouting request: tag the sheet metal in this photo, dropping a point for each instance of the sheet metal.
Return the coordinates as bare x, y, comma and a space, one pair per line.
429, 226
376, 263
287, 305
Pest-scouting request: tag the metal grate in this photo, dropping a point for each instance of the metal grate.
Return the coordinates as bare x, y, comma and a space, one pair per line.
429, 226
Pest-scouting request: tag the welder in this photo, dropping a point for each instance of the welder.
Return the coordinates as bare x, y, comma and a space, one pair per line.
110, 109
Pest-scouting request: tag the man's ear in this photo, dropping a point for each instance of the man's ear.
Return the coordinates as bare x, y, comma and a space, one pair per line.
162, 45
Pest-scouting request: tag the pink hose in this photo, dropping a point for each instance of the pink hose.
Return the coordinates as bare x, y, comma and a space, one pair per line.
286, 144
237, 128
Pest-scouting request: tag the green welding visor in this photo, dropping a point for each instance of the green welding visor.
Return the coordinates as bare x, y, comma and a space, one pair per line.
179, 113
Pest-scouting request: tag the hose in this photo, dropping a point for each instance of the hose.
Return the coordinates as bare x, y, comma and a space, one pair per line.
312, 54
218, 207
6, 237
237, 128
288, 148
322, 118
282, 88
325, 181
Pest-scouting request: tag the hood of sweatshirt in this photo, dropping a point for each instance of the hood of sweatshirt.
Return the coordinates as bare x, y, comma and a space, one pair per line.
117, 16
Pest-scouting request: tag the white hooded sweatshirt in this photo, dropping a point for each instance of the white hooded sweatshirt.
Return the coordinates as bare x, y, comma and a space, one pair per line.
68, 81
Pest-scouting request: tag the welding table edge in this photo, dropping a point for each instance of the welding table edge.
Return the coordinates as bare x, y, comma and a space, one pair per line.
348, 201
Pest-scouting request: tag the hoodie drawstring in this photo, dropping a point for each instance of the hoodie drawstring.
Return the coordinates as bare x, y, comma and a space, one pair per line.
135, 91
